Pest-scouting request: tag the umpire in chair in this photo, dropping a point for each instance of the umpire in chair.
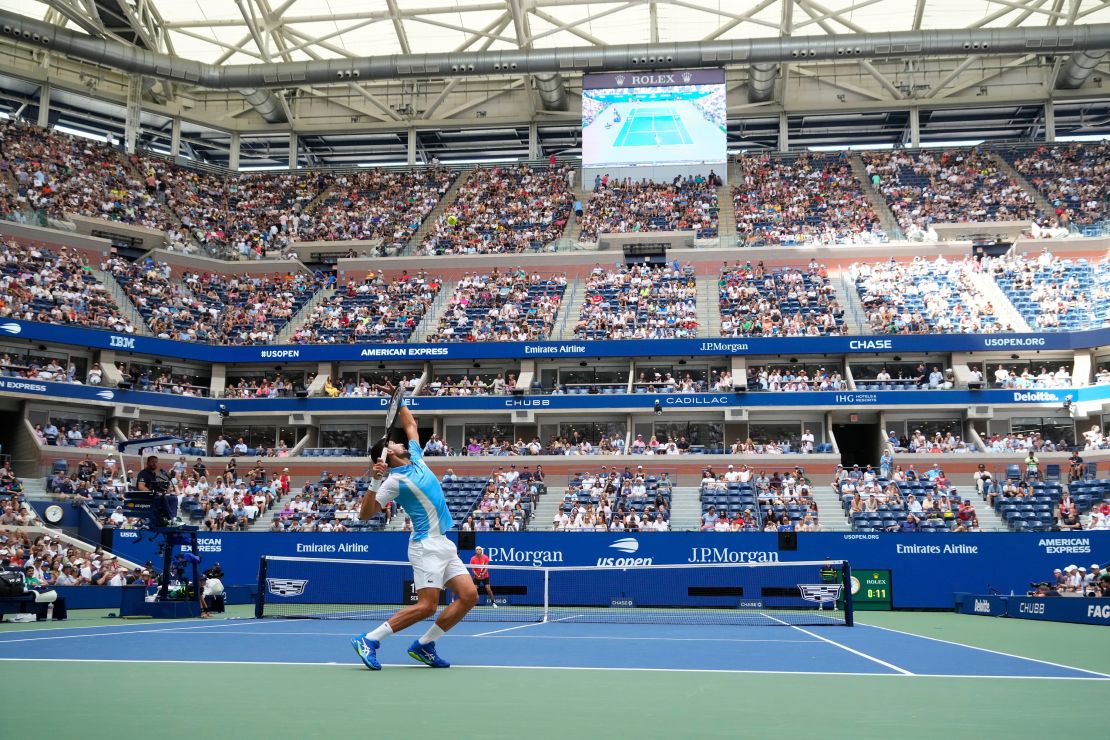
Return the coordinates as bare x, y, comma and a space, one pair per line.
154, 481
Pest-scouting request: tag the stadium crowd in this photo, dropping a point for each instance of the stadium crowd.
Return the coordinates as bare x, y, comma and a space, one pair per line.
618, 206
755, 301
742, 500
503, 210
375, 204
59, 174
615, 501
946, 186
1073, 178
55, 287
376, 309
639, 302
1054, 294
788, 380
493, 384
801, 200
924, 297
509, 305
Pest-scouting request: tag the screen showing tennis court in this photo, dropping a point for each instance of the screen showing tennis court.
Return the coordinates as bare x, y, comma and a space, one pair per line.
650, 119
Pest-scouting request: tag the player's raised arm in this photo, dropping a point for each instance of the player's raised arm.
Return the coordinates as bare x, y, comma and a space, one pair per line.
370, 504
408, 423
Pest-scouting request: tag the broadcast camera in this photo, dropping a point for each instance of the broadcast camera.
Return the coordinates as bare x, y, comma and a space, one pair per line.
1042, 588
162, 483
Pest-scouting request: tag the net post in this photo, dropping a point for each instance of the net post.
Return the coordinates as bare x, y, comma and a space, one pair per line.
259, 604
546, 592
846, 580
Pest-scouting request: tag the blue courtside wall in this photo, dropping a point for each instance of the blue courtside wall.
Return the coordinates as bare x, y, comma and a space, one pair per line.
1064, 609
927, 569
646, 401
99, 339
71, 515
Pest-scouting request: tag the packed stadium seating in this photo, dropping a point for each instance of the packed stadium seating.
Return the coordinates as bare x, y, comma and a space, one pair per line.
61, 174
510, 305
1073, 178
375, 309
623, 206
946, 186
755, 301
924, 297
40, 284
503, 210
376, 204
639, 302
798, 200
615, 501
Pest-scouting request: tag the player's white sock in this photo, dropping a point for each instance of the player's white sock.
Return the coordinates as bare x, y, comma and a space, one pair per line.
434, 633
380, 633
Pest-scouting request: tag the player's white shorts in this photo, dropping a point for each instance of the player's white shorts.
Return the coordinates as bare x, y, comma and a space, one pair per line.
435, 561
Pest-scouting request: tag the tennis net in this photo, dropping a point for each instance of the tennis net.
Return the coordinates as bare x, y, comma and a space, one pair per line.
782, 593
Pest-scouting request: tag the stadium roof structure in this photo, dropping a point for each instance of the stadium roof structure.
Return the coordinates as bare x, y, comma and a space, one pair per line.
502, 78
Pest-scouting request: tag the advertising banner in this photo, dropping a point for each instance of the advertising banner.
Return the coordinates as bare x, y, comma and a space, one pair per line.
944, 343
928, 568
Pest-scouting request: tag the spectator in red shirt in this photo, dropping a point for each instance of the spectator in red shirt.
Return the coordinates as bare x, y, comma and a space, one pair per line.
480, 573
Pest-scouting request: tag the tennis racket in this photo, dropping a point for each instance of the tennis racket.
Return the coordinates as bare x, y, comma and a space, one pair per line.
391, 416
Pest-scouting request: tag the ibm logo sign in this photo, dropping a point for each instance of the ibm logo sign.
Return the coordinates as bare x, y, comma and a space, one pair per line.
121, 342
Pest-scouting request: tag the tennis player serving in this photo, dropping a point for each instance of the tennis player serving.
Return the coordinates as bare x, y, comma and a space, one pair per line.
435, 562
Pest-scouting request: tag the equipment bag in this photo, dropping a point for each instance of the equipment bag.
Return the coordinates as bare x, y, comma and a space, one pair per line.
11, 583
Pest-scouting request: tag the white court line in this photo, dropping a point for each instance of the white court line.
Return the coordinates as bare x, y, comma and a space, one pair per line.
113, 633
522, 637
872, 658
353, 665
987, 650
121, 623
522, 626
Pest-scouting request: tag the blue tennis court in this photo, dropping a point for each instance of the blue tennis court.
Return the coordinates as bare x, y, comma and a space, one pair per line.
653, 127
859, 650
913, 676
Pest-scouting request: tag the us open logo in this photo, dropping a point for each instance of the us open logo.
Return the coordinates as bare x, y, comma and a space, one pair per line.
285, 586
627, 545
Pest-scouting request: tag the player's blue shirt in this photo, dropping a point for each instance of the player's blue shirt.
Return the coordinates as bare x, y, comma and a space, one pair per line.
417, 489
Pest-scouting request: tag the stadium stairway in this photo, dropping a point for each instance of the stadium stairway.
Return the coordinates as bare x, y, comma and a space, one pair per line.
854, 315
430, 322
685, 508
321, 197
546, 507
574, 229
875, 198
430, 222
120, 298
726, 219
570, 310
1002, 306
709, 308
171, 215
1041, 202
298, 319
830, 514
